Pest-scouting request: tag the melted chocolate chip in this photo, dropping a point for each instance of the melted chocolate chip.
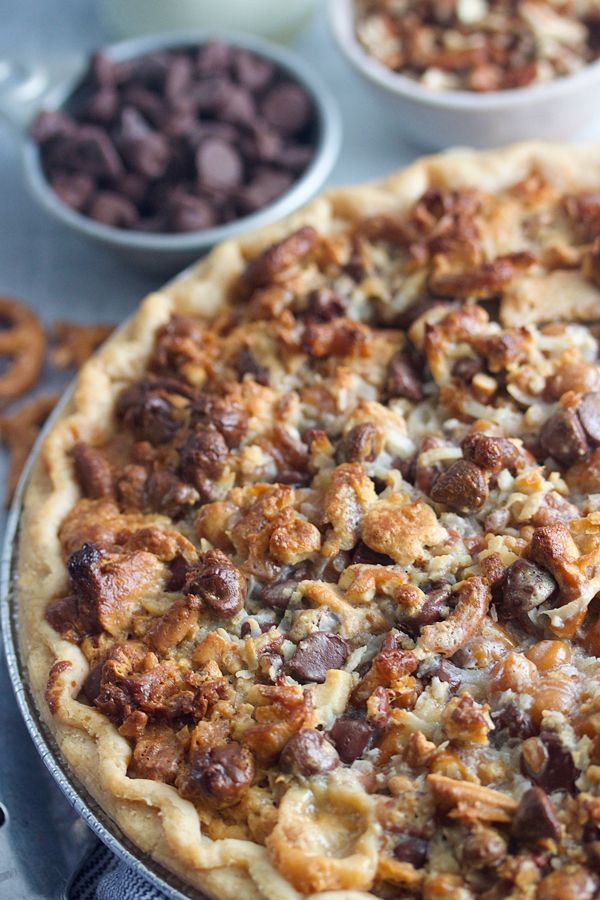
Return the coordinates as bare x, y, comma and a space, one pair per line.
412, 850
351, 737
316, 655
278, 594
511, 721
525, 587
535, 818
220, 774
218, 583
562, 437
462, 487
548, 763
444, 670
308, 753
403, 379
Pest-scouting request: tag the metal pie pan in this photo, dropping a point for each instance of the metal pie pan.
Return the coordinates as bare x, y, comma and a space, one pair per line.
80, 799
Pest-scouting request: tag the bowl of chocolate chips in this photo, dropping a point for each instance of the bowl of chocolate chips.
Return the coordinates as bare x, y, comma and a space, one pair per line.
167, 145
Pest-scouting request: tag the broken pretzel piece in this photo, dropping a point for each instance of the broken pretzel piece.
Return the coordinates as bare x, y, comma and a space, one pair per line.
75, 343
23, 341
19, 432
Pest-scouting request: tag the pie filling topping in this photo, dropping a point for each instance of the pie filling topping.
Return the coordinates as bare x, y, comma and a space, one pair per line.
335, 573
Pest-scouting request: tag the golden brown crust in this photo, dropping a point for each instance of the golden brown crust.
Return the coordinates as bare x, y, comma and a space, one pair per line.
152, 813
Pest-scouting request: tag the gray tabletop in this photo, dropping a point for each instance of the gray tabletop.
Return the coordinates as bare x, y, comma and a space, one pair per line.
62, 276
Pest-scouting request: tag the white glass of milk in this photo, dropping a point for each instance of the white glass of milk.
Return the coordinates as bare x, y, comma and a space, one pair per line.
275, 19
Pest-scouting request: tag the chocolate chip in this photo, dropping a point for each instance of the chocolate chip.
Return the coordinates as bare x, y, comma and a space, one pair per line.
366, 556
169, 495
324, 305
145, 102
74, 190
490, 453
93, 682
207, 129
525, 587
462, 487
252, 71
511, 721
247, 364
432, 610
308, 753
92, 470
150, 69
237, 106
213, 58
218, 164
467, 368
483, 847
219, 774
227, 417
535, 818
316, 655
295, 157
444, 670
278, 594
218, 583
132, 125
180, 569
186, 212
412, 850
103, 70
592, 852
548, 763
589, 414
51, 124
267, 185
93, 153
363, 442
287, 108
403, 379
147, 155
351, 737
102, 106
131, 186
112, 209
178, 77
148, 413
563, 437
203, 455
263, 145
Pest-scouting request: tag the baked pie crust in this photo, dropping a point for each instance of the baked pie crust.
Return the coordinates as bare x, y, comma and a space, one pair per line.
334, 575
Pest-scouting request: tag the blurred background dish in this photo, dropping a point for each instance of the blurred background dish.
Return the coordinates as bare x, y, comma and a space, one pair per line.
275, 19
156, 249
558, 109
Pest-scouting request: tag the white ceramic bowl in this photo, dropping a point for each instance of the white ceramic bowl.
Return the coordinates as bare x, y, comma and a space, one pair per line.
557, 110
169, 252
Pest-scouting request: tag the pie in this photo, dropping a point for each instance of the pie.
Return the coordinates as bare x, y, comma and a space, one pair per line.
309, 569
480, 45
